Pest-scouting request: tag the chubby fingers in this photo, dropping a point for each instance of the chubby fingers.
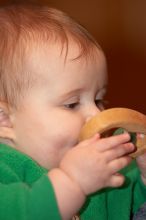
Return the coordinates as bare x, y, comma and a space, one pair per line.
113, 141
114, 146
108, 142
120, 151
116, 180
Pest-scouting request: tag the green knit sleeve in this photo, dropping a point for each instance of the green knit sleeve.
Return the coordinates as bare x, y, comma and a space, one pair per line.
26, 192
19, 201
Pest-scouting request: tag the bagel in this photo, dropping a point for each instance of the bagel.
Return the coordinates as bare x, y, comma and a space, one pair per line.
128, 119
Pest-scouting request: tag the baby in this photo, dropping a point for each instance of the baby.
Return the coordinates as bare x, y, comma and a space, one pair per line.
53, 79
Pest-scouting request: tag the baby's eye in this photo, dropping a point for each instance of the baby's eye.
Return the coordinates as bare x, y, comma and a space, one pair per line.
71, 105
100, 103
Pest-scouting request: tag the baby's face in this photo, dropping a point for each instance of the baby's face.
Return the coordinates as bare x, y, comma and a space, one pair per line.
65, 95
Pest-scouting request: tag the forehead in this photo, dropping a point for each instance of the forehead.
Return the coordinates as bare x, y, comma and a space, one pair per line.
54, 77
39, 52
53, 62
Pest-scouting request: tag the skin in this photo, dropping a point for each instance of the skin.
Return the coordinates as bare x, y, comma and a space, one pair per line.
47, 124
60, 102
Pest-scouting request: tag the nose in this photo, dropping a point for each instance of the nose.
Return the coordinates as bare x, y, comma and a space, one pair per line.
91, 111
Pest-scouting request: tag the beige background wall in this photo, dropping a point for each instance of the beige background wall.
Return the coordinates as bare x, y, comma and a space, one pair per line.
120, 28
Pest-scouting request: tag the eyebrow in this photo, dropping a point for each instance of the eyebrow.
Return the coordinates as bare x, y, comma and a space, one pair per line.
77, 91
71, 93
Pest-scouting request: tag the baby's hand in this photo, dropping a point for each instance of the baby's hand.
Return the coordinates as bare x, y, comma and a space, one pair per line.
93, 164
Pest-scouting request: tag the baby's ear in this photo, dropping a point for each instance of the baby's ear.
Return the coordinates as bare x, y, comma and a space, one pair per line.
6, 128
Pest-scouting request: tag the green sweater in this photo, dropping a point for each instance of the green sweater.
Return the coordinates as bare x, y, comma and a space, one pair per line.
27, 194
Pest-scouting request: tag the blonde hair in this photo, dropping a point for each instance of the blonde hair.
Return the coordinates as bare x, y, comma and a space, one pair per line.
21, 25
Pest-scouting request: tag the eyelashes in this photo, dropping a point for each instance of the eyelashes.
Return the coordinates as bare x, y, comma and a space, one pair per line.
71, 105
100, 103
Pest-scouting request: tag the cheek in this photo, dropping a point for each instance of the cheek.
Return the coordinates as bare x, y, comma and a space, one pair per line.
47, 137
66, 129
61, 138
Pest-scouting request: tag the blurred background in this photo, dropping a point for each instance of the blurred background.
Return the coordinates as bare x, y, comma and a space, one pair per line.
120, 29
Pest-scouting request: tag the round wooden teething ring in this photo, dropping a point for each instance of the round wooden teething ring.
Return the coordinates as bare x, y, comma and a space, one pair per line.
130, 120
